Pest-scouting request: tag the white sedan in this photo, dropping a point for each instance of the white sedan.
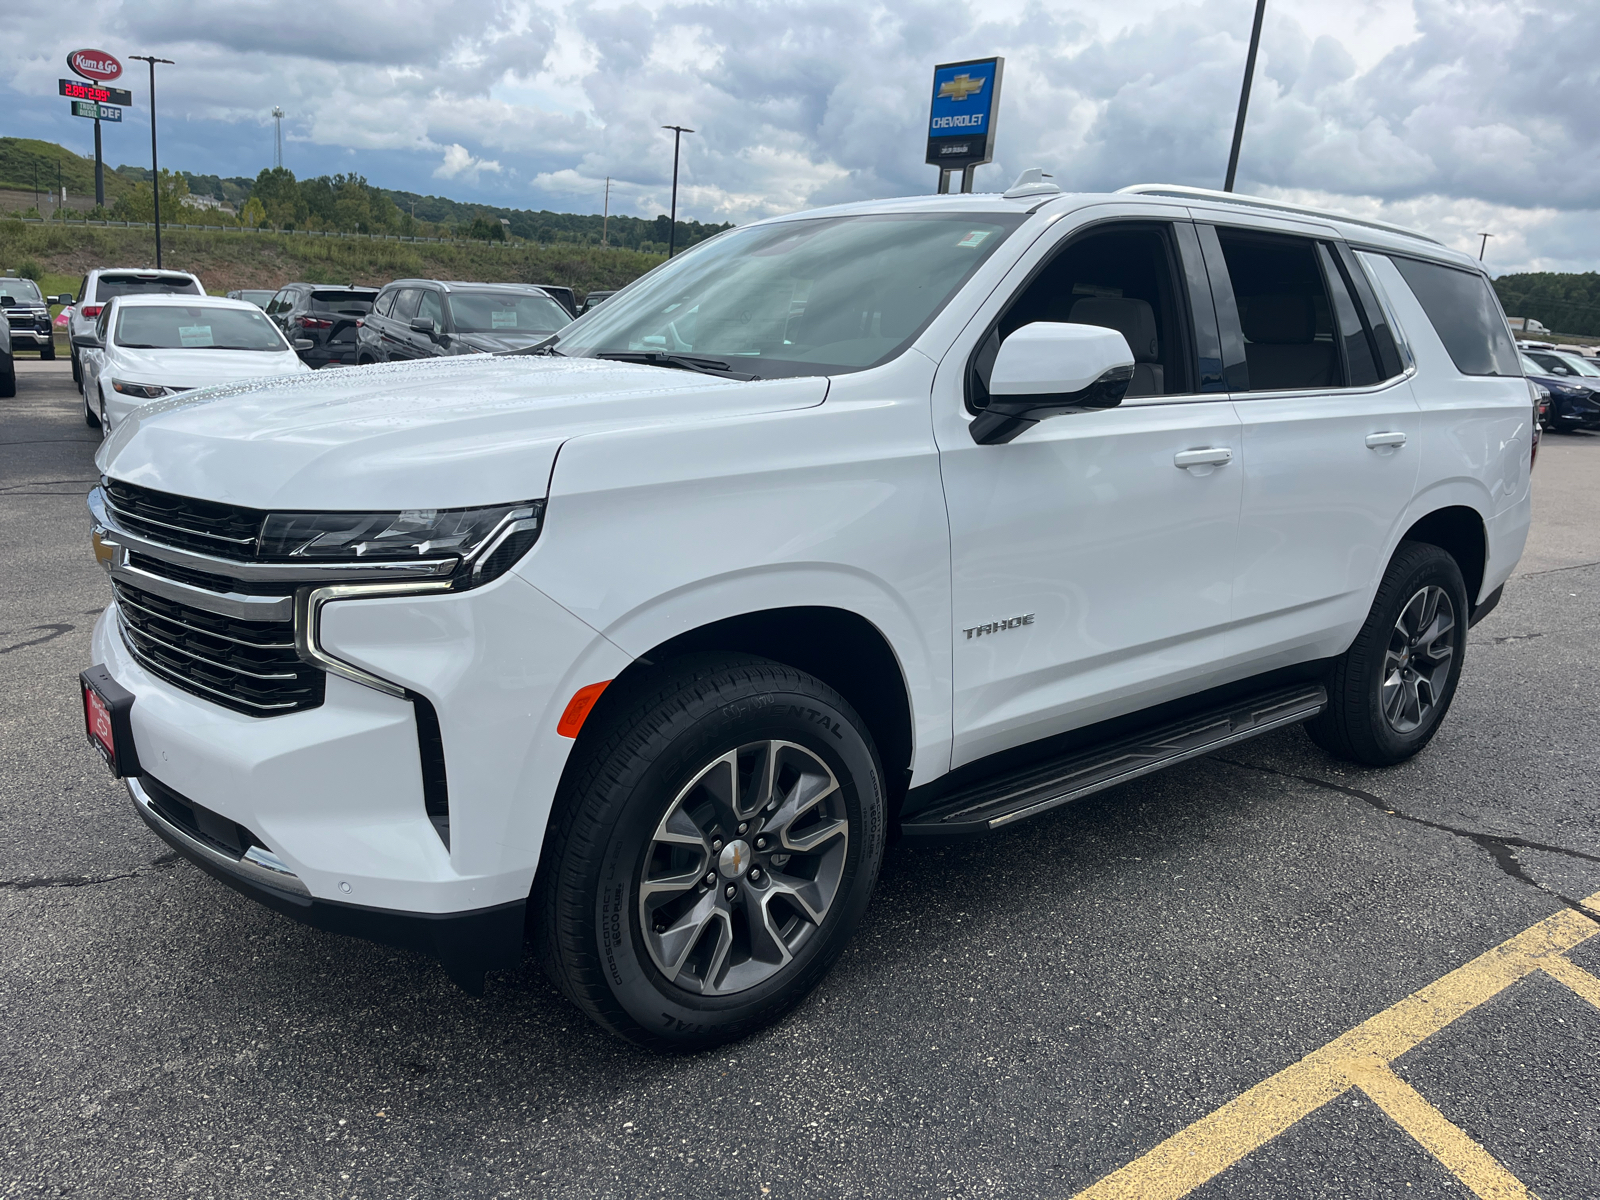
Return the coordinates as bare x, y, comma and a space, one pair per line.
147, 347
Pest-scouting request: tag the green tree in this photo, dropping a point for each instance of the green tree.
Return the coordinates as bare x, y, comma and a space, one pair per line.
253, 214
280, 198
138, 203
486, 229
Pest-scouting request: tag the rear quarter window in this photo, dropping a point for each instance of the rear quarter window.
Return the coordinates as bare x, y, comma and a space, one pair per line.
1465, 314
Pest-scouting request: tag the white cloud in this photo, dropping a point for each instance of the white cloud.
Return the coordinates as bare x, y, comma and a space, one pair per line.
459, 162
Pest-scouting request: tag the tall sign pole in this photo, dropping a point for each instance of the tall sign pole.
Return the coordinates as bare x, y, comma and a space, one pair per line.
155, 169
1244, 95
672, 229
961, 116
99, 67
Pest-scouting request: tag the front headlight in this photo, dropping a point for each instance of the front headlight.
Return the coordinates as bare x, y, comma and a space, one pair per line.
141, 391
486, 540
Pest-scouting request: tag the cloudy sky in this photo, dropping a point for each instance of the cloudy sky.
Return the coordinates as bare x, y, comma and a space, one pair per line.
1453, 116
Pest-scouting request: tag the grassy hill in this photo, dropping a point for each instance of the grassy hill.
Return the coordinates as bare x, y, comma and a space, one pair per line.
60, 255
20, 156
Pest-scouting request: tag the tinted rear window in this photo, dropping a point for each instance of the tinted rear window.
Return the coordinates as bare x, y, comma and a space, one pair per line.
356, 303
1465, 314
133, 285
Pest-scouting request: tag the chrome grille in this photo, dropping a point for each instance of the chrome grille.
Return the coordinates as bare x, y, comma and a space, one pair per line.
249, 666
222, 530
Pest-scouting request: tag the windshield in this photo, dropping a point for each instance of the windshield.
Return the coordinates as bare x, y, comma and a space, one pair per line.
1550, 363
23, 291
153, 285
506, 313
196, 327
1579, 364
810, 297
259, 299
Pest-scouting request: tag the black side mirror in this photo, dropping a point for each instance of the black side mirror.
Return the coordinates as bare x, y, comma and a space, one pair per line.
423, 325
86, 341
64, 299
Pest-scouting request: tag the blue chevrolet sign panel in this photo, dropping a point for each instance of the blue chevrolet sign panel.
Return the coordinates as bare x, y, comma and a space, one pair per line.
966, 96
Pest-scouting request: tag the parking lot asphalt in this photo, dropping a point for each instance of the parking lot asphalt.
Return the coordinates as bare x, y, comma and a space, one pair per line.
1023, 1016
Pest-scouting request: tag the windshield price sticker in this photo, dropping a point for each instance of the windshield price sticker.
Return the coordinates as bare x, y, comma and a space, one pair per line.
504, 318
975, 238
197, 336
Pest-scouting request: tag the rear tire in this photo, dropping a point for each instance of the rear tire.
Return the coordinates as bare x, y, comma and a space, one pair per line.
1389, 692
90, 417
671, 808
48, 353
8, 379
77, 372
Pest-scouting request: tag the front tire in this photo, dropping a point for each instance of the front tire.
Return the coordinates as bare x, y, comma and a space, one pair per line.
90, 417
1389, 692
711, 853
48, 353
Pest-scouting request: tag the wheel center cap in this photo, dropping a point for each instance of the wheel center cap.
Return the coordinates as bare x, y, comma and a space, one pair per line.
734, 860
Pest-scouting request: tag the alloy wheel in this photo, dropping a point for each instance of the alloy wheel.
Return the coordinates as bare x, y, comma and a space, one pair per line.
1416, 666
744, 868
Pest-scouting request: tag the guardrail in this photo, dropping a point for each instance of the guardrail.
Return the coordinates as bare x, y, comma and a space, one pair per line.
323, 233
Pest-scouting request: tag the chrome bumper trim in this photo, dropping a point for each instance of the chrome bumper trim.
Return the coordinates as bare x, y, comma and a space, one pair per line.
308, 604
266, 572
259, 867
227, 604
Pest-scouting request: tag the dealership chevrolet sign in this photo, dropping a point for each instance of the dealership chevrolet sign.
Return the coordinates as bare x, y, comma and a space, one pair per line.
966, 97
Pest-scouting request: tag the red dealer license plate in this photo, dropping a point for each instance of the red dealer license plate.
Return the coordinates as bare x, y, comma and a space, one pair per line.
106, 706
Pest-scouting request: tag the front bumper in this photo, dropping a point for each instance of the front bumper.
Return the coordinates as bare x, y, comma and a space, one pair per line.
31, 339
335, 793
467, 944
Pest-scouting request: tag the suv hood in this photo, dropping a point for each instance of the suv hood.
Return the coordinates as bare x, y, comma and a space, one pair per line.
441, 433
200, 368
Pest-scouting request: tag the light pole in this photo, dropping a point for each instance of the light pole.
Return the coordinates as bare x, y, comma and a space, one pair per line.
1483, 245
672, 230
277, 138
1244, 95
155, 170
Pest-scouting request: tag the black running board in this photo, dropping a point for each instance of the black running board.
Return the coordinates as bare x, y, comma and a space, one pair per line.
997, 802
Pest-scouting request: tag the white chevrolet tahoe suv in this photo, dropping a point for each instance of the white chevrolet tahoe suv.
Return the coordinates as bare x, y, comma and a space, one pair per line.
907, 518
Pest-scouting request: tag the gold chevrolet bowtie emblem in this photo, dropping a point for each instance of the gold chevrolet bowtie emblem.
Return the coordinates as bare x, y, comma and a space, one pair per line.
960, 87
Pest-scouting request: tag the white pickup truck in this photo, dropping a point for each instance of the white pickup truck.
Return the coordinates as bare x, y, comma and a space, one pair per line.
907, 518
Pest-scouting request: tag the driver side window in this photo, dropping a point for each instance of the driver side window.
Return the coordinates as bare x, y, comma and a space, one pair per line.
1123, 278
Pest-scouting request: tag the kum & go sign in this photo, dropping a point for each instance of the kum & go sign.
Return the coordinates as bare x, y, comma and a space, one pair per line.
94, 64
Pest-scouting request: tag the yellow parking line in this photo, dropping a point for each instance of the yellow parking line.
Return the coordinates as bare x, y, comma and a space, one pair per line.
1439, 1136
1575, 977
1215, 1142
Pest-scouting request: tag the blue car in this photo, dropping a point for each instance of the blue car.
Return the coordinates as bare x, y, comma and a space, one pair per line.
1573, 384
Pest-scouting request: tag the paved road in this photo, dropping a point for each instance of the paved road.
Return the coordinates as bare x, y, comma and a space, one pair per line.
1018, 1017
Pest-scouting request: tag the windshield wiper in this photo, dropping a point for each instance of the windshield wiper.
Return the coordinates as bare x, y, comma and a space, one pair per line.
544, 346
682, 362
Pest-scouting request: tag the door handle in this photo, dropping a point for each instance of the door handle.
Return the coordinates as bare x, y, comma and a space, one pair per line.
1377, 440
1213, 456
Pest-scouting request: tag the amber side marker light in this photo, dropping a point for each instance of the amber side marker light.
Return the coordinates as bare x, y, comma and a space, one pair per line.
579, 707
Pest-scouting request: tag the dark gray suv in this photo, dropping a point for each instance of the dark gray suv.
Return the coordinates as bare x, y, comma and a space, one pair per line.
428, 318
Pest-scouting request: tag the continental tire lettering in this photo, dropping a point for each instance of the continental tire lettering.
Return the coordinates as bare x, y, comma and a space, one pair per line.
818, 718
611, 930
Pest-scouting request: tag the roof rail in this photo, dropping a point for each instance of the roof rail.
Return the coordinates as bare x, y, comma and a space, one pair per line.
1181, 192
